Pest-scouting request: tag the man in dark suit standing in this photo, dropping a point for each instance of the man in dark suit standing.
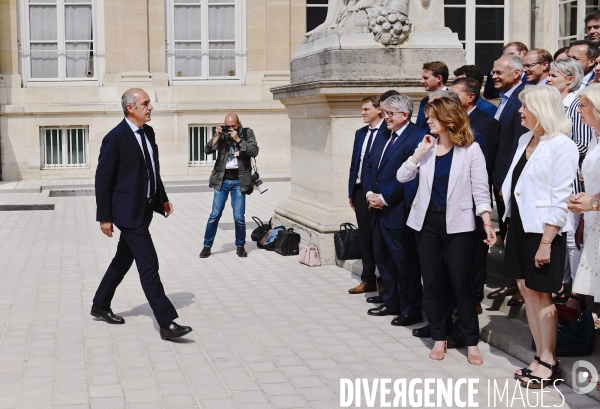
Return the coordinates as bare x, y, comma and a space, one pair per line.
128, 190
386, 197
508, 71
515, 48
474, 72
468, 90
364, 139
434, 78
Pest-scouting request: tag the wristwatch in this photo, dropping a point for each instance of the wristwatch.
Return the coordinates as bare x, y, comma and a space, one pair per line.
595, 206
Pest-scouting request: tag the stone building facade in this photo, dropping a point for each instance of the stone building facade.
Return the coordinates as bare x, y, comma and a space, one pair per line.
65, 63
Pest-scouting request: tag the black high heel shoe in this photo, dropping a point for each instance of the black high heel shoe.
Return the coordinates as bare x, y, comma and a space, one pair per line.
525, 371
535, 382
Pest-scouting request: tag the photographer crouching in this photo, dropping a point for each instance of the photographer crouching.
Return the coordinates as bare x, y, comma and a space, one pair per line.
235, 146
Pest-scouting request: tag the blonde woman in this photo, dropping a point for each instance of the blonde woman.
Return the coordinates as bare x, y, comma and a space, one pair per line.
587, 280
536, 189
452, 180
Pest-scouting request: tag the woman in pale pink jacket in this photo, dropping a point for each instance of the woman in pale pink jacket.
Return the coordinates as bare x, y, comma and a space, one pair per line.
452, 182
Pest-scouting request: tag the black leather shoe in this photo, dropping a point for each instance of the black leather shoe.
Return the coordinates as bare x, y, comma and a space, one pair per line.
423, 332
377, 299
174, 331
205, 252
404, 321
241, 252
502, 292
516, 299
107, 316
381, 311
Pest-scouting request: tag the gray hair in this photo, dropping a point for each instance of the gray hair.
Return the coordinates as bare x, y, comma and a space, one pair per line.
514, 62
128, 98
401, 102
444, 93
568, 67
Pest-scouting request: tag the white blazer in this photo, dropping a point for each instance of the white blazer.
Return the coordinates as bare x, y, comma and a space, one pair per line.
468, 182
545, 183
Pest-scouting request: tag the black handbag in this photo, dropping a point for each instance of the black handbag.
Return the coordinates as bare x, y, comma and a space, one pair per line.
347, 243
287, 243
261, 230
575, 338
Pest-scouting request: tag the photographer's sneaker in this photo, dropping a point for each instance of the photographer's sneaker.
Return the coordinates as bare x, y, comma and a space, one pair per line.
205, 252
241, 252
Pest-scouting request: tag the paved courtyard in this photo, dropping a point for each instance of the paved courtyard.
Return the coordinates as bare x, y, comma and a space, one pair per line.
268, 331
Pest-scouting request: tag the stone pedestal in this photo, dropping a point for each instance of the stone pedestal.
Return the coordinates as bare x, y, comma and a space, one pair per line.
330, 74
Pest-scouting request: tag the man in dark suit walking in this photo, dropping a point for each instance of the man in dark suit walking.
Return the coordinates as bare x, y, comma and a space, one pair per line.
507, 71
386, 197
364, 139
128, 190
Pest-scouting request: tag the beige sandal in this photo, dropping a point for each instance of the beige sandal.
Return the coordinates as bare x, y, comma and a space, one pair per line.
439, 355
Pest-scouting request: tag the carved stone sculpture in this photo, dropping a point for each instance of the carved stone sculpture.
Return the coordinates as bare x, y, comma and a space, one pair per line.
390, 24
386, 19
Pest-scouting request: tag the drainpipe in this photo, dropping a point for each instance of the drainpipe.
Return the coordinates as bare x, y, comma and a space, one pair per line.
532, 24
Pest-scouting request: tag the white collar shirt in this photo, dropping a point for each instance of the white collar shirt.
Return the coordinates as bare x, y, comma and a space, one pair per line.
138, 137
364, 148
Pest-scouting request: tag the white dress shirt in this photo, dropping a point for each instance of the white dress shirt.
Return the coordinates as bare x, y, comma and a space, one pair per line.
135, 128
398, 132
364, 148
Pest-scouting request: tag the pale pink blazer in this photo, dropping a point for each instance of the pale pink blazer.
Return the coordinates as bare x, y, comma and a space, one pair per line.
468, 183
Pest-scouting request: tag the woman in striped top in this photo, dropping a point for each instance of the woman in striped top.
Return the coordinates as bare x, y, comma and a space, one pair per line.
566, 75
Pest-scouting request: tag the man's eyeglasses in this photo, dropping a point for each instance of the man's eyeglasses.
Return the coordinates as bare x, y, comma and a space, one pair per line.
390, 113
533, 64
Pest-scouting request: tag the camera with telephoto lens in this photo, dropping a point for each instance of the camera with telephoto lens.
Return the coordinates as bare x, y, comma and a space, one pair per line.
258, 183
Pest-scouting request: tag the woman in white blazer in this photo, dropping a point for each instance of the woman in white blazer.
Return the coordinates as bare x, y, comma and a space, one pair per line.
452, 181
587, 280
535, 191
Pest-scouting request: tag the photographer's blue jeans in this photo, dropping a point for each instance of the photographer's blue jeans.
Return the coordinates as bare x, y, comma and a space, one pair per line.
238, 203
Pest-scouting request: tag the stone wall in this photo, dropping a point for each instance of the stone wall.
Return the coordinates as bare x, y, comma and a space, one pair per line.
135, 55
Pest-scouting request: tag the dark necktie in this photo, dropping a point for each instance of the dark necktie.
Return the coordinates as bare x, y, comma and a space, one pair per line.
367, 151
387, 148
148, 161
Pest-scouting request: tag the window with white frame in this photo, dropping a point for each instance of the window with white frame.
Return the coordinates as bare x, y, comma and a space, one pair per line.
199, 135
205, 39
316, 12
571, 16
64, 147
481, 26
58, 39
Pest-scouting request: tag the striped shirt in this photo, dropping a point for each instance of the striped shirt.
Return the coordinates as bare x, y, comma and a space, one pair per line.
580, 133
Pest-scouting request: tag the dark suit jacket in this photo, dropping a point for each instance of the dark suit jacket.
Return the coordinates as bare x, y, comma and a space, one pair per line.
359, 139
489, 128
122, 178
421, 120
510, 132
382, 179
486, 106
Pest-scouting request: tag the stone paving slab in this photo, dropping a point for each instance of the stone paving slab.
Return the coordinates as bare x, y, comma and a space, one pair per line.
268, 331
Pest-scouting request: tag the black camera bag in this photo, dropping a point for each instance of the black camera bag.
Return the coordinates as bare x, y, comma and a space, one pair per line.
287, 243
